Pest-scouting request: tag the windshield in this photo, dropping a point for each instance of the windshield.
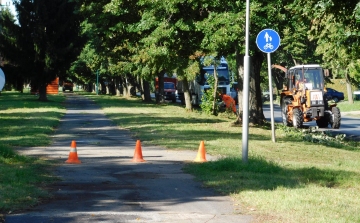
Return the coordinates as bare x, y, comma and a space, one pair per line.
169, 85
311, 77
223, 74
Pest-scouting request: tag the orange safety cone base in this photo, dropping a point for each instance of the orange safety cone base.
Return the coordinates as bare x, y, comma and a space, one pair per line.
201, 155
138, 158
73, 157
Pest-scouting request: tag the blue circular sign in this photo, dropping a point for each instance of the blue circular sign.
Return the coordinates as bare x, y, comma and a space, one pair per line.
268, 40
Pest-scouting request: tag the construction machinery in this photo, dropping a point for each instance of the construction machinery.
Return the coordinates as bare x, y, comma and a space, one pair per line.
304, 98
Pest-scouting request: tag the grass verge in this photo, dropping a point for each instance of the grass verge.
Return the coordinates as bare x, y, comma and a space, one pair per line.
25, 122
303, 177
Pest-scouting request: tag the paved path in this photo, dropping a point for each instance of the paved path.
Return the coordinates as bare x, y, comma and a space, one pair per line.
108, 187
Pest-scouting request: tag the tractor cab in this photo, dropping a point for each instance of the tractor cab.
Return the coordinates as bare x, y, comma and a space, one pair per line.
303, 99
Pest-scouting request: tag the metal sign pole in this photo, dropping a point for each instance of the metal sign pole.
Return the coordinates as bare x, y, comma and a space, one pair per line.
245, 118
271, 99
268, 41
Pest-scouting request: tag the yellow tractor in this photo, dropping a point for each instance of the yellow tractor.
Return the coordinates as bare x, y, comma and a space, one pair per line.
304, 98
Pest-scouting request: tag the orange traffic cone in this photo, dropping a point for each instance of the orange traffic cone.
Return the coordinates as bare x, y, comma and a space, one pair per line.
138, 153
201, 156
73, 157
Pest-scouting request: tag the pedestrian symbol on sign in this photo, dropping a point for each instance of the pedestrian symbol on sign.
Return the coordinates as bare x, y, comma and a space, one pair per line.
267, 37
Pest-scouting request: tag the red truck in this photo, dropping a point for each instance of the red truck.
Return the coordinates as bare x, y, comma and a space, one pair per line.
169, 88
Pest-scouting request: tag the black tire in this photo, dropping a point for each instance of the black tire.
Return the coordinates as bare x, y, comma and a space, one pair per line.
284, 111
323, 122
335, 118
298, 118
336, 100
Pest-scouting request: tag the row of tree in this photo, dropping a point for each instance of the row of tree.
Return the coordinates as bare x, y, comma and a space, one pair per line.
131, 42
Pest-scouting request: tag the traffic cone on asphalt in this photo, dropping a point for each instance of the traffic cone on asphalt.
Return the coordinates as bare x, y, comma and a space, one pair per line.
138, 153
73, 157
201, 156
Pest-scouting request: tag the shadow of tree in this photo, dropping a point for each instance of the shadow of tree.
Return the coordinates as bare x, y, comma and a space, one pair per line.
233, 175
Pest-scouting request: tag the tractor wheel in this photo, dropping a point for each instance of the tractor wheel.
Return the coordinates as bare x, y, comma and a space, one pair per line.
335, 118
298, 118
284, 113
323, 122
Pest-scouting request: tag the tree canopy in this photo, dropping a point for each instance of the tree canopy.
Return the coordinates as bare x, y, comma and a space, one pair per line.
44, 42
137, 40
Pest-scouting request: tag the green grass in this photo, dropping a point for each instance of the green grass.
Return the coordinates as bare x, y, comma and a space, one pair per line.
350, 109
25, 122
292, 180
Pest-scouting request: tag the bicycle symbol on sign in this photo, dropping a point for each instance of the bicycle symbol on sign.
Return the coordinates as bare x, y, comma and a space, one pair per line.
268, 46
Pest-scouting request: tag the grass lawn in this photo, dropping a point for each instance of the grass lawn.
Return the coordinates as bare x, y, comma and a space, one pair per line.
25, 122
292, 180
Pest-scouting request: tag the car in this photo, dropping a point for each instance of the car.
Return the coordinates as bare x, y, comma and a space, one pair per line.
357, 94
335, 95
67, 85
266, 96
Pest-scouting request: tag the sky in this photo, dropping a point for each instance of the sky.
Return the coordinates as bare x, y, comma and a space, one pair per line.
8, 3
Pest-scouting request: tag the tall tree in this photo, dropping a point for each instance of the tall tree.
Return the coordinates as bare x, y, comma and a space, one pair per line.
336, 28
170, 40
47, 39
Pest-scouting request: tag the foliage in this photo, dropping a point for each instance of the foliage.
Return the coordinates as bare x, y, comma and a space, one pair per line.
208, 97
44, 42
315, 135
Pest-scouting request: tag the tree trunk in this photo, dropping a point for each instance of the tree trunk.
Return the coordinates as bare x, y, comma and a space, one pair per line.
145, 91
240, 79
42, 92
103, 87
126, 87
187, 97
214, 111
159, 92
348, 87
117, 86
256, 114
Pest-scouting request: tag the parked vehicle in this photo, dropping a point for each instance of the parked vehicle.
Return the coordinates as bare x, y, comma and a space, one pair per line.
357, 94
169, 88
266, 96
335, 95
67, 85
303, 99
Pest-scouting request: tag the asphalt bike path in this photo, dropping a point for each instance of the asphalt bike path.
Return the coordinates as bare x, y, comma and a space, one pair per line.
108, 187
